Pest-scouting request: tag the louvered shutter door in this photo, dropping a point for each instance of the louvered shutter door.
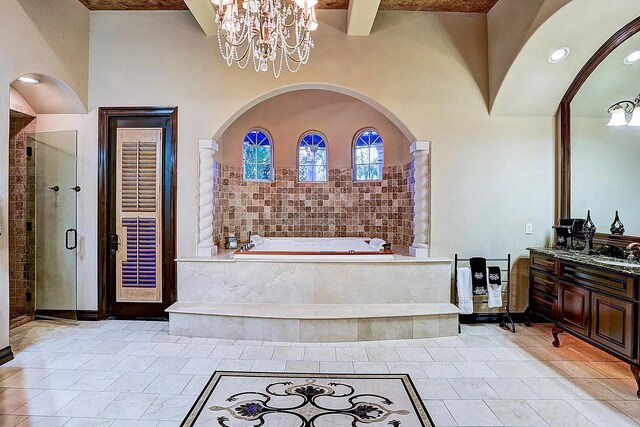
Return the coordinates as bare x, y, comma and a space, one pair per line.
139, 213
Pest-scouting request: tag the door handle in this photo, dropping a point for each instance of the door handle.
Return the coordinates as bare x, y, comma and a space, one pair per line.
75, 239
114, 243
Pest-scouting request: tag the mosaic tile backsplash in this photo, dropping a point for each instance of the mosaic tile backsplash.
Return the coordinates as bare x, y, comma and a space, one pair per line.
337, 208
21, 212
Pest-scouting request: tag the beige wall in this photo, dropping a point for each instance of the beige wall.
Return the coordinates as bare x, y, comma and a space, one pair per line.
604, 169
426, 72
48, 37
339, 117
19, 104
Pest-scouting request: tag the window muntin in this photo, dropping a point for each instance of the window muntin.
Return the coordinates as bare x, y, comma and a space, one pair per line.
312, 158
368, 156
257, 156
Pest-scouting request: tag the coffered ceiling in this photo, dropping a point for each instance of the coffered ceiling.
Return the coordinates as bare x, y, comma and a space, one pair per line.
477, 6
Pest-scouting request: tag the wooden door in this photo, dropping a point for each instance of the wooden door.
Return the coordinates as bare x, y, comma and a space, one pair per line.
139, 215
137, 181
612, 323
573, 308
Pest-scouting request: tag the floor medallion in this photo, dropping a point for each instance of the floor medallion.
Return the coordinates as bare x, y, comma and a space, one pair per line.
246, 399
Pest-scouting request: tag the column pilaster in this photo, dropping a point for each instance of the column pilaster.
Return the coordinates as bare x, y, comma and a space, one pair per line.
206, 246
420, 246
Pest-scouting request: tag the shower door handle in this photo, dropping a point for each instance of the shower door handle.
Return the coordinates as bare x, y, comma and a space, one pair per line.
75, 239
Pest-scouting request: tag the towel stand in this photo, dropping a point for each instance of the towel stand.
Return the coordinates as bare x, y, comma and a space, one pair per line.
505, 267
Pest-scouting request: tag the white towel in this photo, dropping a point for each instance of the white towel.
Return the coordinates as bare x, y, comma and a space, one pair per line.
255, 240
376, 244
495, 294
465, 292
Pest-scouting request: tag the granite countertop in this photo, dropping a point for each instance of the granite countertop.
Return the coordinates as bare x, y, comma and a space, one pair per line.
632, 268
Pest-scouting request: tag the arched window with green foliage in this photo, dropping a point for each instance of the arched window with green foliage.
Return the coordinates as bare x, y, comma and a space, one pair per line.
312, 157
368, 156
257, 156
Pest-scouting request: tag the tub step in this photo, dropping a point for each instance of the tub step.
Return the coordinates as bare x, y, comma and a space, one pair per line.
313, 322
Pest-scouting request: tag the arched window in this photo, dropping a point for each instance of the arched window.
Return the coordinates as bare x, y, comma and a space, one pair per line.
368, 156
257, 156
312, 157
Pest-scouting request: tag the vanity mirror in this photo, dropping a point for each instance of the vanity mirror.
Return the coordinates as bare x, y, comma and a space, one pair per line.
600, 139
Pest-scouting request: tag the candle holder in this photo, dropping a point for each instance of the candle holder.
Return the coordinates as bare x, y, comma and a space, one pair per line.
589, 230
617, 227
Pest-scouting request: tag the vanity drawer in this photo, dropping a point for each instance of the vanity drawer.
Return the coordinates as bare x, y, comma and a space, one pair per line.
543, 304
543, 262
543, 282
602, 280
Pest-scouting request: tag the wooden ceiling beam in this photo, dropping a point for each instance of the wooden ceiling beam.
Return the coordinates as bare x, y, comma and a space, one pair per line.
205, 14
362, 14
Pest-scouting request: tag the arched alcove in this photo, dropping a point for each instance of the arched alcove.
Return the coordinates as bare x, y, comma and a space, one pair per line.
285, 206
50, 96
322, 87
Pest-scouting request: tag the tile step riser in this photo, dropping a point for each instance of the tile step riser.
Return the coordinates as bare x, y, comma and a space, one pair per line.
313, 330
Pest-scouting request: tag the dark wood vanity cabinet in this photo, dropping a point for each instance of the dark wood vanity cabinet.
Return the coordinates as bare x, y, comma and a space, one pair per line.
613, 323
574, 308
596, 304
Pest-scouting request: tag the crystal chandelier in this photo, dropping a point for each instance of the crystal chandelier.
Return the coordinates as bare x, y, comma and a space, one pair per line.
266, 31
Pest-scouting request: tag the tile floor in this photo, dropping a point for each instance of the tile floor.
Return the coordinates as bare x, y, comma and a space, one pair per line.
122, 373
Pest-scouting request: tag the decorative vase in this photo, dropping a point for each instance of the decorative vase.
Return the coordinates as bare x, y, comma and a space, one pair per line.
617, 227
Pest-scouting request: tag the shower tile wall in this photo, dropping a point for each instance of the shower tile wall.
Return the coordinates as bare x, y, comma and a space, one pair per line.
21, 212
338, 208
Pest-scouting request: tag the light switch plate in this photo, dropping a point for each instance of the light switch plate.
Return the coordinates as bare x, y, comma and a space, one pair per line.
528, 228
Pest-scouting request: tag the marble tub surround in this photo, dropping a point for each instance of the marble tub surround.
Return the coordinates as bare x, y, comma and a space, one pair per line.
337, 208
306, 301
632, 268
226, 281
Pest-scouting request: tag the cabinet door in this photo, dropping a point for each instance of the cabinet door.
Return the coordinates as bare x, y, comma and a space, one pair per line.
574, 310
612, 323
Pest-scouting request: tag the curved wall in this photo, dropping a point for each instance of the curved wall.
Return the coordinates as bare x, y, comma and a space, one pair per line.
49, 37
339, 117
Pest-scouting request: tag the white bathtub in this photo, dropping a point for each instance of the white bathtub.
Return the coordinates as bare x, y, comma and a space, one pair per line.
308, 248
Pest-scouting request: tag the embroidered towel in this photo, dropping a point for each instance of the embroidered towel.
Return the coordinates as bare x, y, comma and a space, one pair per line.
478, 275
494, 283
465, 295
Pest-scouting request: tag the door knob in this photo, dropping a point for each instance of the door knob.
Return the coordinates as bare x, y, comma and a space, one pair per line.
54, 188
76, 188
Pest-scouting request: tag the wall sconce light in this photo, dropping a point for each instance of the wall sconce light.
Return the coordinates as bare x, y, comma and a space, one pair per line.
619, 112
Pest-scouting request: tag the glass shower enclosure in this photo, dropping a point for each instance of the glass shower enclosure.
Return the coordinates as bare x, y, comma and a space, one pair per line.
54, 158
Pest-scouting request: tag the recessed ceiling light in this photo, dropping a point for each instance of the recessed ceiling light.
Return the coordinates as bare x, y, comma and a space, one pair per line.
632, 58
559, 55
27, 79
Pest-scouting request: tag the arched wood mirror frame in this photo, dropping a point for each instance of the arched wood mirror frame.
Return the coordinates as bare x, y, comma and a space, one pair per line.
563, 180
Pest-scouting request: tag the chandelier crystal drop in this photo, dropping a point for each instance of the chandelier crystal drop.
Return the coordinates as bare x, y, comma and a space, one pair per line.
266, 32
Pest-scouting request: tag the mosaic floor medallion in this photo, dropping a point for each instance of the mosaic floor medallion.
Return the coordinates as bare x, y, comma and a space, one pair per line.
246, 399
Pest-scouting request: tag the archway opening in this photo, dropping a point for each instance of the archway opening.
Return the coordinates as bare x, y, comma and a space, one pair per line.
283, 203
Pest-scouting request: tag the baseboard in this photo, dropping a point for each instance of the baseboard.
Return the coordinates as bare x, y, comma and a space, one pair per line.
6, 355
88, 315
489, 318
56, 314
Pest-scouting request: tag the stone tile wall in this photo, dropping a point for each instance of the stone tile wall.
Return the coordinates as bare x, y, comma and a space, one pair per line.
21, 213
337, 208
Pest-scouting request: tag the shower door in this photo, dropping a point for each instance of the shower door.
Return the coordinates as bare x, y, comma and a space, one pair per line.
56, 238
